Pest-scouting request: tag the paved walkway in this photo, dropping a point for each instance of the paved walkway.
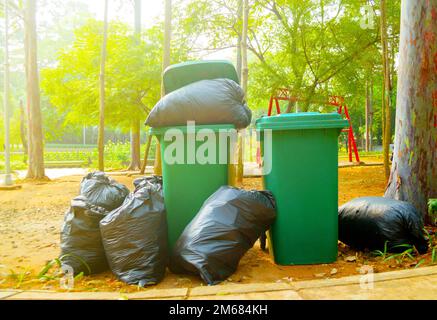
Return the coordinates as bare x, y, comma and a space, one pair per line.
411, 284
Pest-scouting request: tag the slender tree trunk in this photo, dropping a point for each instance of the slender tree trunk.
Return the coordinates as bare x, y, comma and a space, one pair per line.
370, 114
6, 105
101, 135
244, 69
414, 172
165, 64
35, 142
386, 91
23, 131
239, 28
135, 145
244, 80
135, 130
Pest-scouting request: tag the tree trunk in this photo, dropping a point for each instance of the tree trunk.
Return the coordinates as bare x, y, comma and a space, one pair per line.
386, 91
101, 135
369, 115
135, 129
244, 80
6, 105
35, 141
414, 172
165, 64
135, 145
23, 131
239, 24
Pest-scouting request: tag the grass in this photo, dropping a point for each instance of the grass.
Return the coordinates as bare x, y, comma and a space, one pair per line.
19, 277
43, 275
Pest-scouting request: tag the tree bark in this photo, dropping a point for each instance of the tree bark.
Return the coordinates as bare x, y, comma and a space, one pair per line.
386, 91
135, 129
101, 134
414, 172
244, 80
239, 24
165, 64
23, 131
135, 145
6, 105
35, 142
369, 115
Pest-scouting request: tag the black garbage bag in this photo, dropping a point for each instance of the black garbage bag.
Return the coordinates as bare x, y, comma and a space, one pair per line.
81, 244
370, 222
135, 235
227, 225
102, 191
216, 101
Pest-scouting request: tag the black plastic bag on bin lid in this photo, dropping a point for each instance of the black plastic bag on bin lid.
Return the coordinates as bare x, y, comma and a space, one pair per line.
216, 101
227, 225
370, 222
135, 235
81, 244
102, 191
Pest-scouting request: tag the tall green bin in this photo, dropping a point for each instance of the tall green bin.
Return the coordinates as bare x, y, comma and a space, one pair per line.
301, 170
193, 169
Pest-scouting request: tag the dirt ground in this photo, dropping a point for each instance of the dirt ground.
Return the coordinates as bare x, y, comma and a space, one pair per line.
31, 218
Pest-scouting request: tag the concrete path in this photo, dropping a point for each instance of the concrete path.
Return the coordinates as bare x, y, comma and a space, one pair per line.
412, 284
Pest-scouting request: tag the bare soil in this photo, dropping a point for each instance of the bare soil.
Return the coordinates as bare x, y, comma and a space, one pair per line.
31, 218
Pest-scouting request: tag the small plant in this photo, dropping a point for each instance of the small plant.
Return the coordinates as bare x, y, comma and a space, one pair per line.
434, 255
43, 275
19, 277
402, 256
379, 253
432, 241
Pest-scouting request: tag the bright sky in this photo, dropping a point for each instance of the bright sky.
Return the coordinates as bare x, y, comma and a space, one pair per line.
151, 11
123, 10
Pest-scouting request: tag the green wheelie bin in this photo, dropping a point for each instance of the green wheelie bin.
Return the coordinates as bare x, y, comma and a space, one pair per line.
190, 180
192, 169
300, 168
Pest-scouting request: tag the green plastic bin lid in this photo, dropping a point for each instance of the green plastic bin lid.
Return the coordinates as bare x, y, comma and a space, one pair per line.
179, 75
302, 120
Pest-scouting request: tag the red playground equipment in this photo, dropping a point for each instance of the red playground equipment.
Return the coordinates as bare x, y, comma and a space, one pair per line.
282, 94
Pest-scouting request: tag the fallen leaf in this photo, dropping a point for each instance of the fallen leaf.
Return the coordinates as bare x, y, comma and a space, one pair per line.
320, 275
334, 271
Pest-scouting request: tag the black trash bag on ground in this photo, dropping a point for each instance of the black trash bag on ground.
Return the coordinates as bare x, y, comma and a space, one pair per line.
227, 225
216, 101
102, 191
135, 235
81, 244
370, 222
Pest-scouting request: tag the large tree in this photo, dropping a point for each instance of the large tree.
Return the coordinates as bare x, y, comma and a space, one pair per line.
414, 172
36, 145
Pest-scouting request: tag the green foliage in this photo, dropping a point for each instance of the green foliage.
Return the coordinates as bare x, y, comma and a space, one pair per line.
132, 75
